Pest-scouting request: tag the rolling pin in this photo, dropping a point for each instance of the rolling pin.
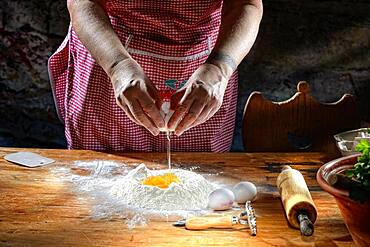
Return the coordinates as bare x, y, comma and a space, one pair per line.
298, 205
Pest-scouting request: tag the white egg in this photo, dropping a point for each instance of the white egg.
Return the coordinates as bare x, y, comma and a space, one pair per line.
221, 199
244, 191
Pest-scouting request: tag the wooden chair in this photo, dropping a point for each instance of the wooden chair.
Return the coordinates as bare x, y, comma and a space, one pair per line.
298, 124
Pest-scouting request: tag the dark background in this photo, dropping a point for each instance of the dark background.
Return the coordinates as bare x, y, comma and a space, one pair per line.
326, 43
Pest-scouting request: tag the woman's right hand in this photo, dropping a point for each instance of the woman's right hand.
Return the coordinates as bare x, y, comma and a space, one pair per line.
136, 95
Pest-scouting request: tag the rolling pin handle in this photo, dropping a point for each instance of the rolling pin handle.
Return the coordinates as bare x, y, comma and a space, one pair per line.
305, 225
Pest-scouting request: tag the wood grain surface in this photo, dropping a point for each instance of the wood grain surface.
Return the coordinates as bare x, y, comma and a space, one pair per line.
36, 209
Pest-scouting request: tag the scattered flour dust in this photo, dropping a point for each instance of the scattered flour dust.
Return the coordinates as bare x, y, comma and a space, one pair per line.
116, 190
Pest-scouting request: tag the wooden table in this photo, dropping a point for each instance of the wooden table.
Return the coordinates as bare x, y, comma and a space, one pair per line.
35, 211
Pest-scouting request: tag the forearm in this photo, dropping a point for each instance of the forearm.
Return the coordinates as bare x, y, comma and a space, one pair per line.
238, 31
92, 26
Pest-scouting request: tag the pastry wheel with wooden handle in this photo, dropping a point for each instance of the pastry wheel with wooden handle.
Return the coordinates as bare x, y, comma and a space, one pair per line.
247, 217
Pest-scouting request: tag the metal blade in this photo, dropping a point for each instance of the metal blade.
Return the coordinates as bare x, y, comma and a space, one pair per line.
179, 223
252, 221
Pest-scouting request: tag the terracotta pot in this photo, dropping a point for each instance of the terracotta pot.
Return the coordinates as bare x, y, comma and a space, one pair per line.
356, 215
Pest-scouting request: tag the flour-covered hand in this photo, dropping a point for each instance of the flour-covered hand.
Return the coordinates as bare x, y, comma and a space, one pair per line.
137, 95
199, 99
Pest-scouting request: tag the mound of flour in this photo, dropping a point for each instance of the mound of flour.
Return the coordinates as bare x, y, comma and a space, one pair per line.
113, 189
190, 194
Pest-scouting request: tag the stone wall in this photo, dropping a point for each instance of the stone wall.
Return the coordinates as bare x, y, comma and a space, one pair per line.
30, 31
324, 42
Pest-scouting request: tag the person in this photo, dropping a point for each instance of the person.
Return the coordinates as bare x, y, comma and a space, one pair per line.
121, 60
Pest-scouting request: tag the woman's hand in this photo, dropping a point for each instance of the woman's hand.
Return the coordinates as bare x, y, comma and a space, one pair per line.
136, 95
199, 99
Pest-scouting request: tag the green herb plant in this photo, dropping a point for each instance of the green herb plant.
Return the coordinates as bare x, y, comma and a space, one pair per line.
360, 174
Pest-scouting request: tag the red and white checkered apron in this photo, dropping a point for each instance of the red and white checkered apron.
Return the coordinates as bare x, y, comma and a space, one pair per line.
170, 40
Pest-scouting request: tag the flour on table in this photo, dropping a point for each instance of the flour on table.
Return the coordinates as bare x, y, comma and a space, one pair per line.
190, 194
116, 190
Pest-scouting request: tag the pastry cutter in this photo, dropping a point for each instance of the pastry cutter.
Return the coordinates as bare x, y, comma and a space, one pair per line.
247, 217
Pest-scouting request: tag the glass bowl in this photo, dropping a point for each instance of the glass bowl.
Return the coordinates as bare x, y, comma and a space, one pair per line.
347, 141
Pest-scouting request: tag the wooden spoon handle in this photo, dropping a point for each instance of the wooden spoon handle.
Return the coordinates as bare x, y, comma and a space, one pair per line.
202, 223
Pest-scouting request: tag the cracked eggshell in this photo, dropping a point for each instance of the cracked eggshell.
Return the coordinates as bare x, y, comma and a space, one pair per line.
244, 191
221, 199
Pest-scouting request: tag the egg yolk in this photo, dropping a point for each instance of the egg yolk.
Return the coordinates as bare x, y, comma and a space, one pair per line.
161, 181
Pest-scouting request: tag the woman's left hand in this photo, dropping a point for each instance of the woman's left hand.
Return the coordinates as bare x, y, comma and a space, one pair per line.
199, 99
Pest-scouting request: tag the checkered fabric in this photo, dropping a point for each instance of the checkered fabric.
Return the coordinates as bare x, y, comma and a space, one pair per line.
170, 40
